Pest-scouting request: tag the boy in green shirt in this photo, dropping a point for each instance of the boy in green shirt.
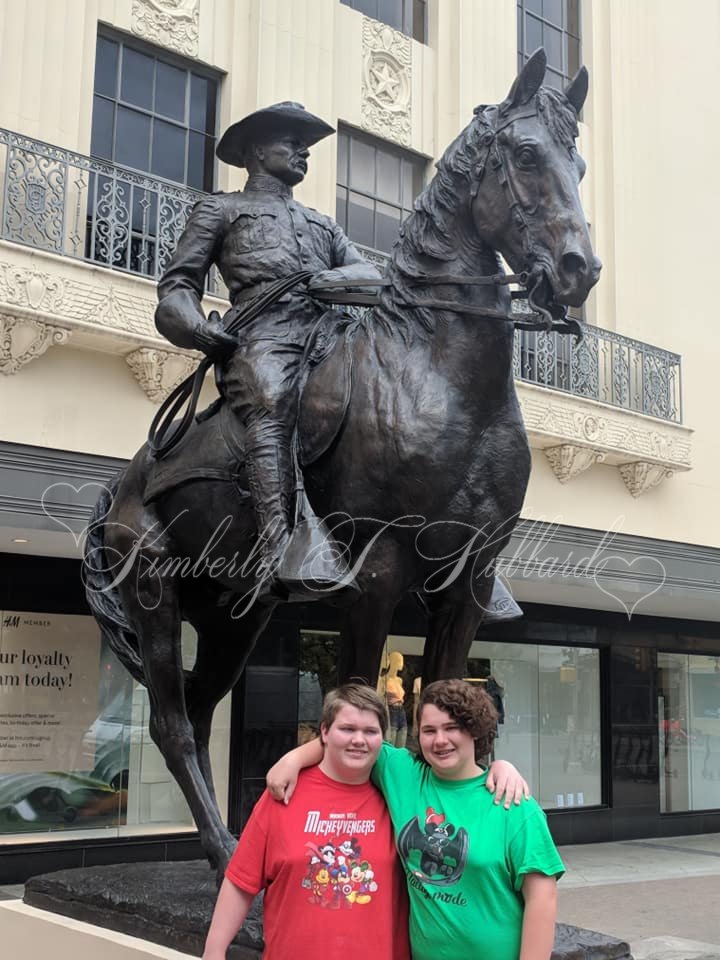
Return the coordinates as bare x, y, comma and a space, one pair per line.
481, 880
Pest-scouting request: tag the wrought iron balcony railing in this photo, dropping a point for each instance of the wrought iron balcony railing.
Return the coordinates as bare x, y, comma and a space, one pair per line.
604, 366
64, 202
70, 204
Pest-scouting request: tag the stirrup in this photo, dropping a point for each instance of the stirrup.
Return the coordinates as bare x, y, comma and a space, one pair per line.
313, 566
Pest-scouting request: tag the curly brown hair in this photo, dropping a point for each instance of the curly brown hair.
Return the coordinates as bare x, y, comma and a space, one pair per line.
469, 706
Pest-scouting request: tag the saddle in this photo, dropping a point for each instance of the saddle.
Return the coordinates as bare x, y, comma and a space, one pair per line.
213, 446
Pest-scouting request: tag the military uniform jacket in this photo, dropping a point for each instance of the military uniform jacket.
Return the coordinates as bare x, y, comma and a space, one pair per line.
256, 236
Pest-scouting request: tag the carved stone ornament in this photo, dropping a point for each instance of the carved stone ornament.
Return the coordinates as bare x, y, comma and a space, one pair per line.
569, 460
171, 23
159, 371
386, 82
23, 339
621, 434
33, 288
642, 476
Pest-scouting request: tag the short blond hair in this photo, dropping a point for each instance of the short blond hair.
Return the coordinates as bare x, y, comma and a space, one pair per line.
357, 695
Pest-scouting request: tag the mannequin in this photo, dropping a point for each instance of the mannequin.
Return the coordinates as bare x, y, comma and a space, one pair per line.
391, 686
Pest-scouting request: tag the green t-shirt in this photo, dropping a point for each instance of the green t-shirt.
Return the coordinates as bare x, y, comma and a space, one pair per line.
465, 859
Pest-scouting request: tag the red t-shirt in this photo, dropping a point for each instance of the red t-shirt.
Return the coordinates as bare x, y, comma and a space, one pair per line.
333, 883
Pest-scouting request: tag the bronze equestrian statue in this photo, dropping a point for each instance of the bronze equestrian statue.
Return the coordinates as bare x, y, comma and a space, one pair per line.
409, 433
256, 236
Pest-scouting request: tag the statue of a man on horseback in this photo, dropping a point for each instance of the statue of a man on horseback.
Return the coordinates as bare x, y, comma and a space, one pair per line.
409, 426
255, 237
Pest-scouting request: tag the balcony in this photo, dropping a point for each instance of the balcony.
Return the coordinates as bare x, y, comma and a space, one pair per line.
101, 236
75, 206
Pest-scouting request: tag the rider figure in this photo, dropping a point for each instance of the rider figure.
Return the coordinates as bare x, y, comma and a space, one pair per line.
256, 236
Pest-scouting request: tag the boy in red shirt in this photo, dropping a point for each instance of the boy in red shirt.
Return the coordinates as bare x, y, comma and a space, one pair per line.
326, 860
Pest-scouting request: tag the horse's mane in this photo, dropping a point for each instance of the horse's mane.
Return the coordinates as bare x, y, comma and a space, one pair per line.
430, 232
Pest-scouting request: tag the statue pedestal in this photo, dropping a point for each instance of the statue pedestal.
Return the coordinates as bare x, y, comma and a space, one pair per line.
161, 911
170, 904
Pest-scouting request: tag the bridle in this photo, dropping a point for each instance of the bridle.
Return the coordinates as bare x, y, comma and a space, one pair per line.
540, 318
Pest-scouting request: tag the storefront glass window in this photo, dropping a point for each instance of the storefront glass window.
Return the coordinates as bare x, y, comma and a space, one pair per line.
548, 701
75, 753
689, 732
318, 674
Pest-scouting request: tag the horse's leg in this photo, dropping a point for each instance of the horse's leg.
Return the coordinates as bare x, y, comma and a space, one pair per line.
364, 633
453, 620
223, 645
152, 605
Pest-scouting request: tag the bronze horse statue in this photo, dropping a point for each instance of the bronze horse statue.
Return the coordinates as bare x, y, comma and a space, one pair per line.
420, 457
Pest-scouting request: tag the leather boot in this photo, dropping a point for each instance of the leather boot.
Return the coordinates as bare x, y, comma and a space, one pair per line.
269, 473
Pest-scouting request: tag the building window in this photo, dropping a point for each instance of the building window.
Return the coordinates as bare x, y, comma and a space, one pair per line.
554, 25
154, 114
408, 16
153, 121
75, 749
689, 732
376, 187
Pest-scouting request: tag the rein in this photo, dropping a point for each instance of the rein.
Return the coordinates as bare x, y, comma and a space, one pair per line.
540, 319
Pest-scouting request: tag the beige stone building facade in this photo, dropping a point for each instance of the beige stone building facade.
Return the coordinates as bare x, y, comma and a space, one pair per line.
109, 110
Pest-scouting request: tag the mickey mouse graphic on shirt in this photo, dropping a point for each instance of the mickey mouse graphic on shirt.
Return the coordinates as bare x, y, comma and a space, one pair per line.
443, 850
337, 876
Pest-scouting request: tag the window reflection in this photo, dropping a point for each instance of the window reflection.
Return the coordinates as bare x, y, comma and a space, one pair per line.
170, 92
137, 75
384, 181
408, 16
689, 731
168, 150
554, 25
82, 763
317, 676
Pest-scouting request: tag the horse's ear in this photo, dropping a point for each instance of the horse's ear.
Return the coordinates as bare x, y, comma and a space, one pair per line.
577, 89
528, 81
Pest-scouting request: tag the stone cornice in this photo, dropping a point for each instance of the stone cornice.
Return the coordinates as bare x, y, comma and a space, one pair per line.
54, 297
575, 433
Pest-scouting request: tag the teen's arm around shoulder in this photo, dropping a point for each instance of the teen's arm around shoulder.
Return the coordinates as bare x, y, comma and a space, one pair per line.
538, 929
231, 909
281, 778
505, 780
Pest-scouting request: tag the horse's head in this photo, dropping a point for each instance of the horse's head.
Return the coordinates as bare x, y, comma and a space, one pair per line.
524, 186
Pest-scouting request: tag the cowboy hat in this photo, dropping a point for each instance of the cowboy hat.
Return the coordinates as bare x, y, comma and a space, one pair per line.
279, 119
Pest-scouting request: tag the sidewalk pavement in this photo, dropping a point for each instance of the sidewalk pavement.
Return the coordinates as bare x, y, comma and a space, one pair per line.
662, 896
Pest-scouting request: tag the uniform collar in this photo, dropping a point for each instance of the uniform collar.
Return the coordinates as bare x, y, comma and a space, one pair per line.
262, 183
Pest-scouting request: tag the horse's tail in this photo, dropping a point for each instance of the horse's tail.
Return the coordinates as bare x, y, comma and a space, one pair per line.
102, 595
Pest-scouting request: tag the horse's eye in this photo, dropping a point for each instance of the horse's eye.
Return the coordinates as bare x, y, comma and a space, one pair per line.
526, 157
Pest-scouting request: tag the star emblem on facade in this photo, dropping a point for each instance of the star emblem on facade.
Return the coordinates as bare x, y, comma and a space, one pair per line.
385, 80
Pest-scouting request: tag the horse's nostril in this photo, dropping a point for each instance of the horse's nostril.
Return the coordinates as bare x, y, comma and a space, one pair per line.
573, 263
